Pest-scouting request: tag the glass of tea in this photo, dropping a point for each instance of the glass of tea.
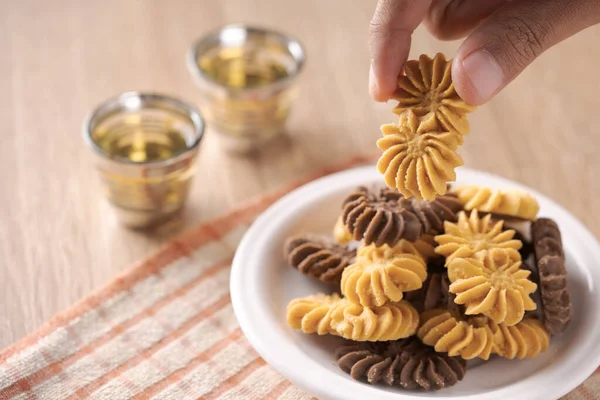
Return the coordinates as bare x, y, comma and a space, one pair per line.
145, 145
247, 77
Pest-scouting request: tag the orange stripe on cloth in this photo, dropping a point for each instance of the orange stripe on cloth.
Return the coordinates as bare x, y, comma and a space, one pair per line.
163, 257
234, 380
177, 248
55, 368
148, 352
203, 357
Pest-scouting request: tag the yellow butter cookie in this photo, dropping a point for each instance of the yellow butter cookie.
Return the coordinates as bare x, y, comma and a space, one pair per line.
418, 157
381, 274
474, 337
333, 315
372, 252
426, 245
526, 339
473, 234
311, 314
426, 87
492, 284
511, 202
341, 233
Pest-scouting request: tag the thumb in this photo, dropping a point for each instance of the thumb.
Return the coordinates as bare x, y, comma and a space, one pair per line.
511, 38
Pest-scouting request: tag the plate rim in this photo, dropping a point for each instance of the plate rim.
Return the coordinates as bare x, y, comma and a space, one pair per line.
309, 379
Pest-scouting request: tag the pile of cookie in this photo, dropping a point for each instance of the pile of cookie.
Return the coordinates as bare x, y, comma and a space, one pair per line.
425, 277
427, 285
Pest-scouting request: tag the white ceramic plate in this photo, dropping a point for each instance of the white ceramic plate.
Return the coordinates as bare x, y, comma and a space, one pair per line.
262, 285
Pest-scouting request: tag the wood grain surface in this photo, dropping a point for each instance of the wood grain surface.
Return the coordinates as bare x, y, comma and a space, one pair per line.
58, 238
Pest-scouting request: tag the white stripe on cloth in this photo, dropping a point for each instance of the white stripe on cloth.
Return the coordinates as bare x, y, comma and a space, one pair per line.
143, 335
293, 393
206, 377
173, 357
22, 396
256, 386
118, 309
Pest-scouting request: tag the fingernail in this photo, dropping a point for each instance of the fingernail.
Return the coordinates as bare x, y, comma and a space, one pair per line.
486, 76
372, 81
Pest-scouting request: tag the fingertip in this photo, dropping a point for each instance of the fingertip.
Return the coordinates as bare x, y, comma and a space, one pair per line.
477, 77
373, 87
379, 95
381, 83
376, 94
463, 86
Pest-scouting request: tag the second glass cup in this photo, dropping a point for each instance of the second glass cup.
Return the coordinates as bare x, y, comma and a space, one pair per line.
247, 76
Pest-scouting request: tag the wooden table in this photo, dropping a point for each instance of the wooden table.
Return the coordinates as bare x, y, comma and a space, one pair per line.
58, 239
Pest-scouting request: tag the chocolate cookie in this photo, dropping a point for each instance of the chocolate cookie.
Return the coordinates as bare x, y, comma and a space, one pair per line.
386, 217
432, 214
550, 262
318, 257
407, 363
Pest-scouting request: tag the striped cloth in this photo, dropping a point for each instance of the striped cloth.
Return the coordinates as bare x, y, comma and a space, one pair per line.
164, 329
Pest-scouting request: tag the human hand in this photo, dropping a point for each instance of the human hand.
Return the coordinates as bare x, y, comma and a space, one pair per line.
504, 37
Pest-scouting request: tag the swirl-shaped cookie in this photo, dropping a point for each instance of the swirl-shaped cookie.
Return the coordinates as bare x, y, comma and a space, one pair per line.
552, 273
493, 285
381, 274
472, 234
432, 214
526, 339
318, 257
379, 218
426, 87
312, 314
407, 363
468, 339
418, 157
333, 315
511, 202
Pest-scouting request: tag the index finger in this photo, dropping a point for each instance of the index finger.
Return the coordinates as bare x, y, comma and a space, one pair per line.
390, 33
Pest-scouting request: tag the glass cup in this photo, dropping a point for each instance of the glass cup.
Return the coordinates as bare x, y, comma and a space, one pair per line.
145, 146
248, 81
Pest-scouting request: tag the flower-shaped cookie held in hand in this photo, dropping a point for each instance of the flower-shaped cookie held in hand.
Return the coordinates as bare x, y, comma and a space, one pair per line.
381, 274
473, 234
492, 284
418, 157
426, 87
